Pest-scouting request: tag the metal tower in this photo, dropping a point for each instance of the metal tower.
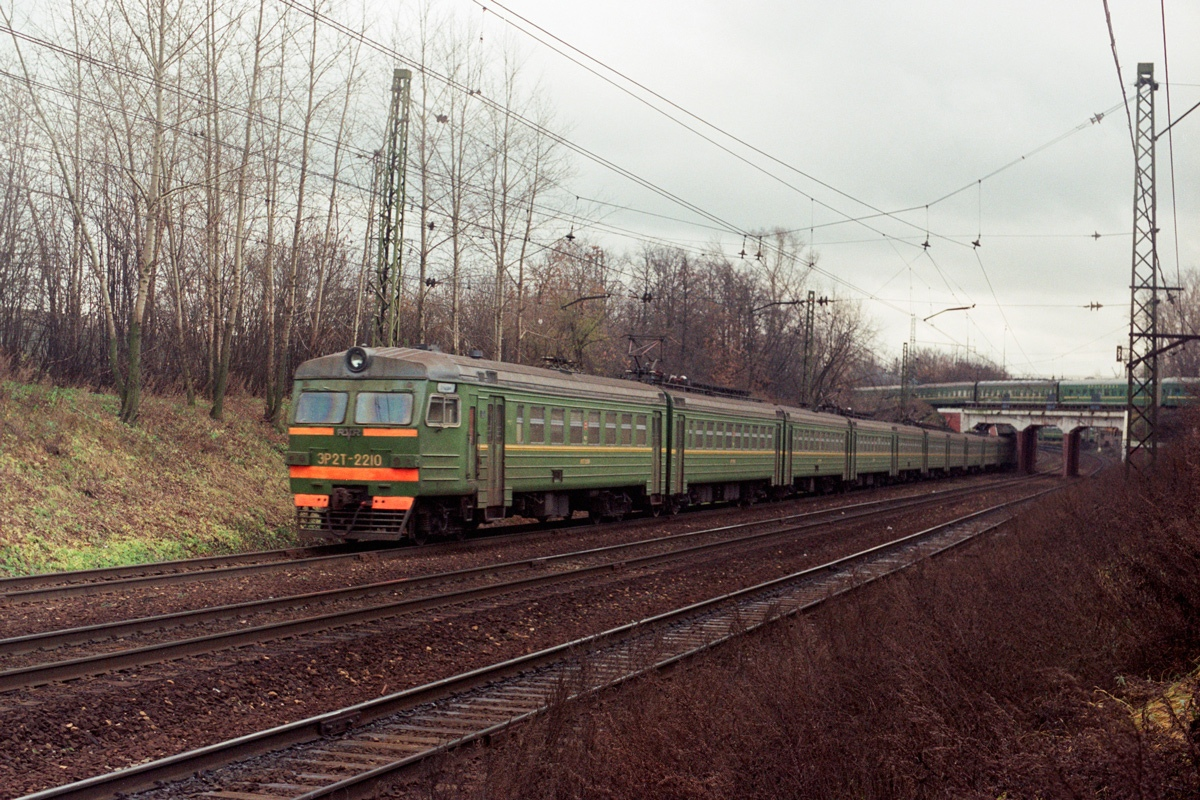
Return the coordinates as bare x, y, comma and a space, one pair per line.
806, 377
1142, 413
389, 270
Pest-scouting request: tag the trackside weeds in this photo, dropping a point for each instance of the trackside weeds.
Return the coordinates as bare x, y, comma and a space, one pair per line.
1055, 660
80, 489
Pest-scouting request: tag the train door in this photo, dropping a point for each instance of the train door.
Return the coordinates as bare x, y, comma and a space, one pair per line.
656, 447
789, 466
677, 476
780, 450
895, 453
495, 458
850, 445
473, 462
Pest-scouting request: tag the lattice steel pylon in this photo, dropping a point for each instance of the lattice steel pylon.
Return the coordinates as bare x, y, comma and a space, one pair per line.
807, 367
1141, 443
389, 271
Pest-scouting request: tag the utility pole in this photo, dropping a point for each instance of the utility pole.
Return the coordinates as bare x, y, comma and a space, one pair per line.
389, 265
907, 353
1141, 423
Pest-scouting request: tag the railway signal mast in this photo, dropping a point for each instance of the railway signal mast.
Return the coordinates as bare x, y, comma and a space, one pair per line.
389, 264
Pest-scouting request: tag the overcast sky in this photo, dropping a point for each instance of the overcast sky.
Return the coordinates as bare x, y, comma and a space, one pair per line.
894, 105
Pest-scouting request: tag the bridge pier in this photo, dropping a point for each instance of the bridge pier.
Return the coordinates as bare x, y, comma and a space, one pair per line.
1027, 450
1071, 453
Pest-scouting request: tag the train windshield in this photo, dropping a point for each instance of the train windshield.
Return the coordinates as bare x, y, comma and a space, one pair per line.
321, 407
383, 408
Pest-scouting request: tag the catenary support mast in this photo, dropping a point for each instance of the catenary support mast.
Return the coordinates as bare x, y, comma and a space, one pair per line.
1142, 365
389, 264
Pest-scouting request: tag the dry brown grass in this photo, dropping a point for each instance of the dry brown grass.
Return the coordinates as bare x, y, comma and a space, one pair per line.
78, 488
1036, 665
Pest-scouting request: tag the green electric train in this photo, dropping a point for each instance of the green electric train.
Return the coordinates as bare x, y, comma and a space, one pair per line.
400, 443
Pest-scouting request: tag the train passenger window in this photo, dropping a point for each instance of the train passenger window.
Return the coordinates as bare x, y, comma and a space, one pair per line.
537, 424
383, 408
737, 436
641, 430
690, 439
318, 407
556, 425
442, 411
627, 429
519, 427
593, 431
708, 435
728, 435
610, 427
576, 426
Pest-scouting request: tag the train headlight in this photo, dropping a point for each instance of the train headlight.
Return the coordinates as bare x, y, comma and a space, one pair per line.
357, 359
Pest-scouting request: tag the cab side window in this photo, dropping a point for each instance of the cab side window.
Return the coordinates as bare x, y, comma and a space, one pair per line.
443, 411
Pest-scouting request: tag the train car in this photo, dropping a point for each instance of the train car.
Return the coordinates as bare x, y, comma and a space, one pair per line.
724, 449
945, 393
872, 452
819, 447
1174, 392
1039, 394
1092, 393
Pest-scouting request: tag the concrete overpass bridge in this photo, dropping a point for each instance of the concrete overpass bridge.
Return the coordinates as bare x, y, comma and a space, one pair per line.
1027, 421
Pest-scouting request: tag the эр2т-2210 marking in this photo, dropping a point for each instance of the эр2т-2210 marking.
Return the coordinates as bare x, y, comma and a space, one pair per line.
402, 443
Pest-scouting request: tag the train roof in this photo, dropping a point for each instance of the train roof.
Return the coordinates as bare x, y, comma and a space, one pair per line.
725, 405
808, 416
403, 363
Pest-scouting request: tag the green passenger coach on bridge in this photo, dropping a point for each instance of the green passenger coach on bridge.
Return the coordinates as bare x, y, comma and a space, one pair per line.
1093, 394
411, 443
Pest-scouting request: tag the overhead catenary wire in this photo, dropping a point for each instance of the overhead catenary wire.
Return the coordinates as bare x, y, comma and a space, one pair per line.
1112, 39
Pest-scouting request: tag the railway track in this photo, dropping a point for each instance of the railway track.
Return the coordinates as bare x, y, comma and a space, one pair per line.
161, 573
352, 751
97, 649
79, 583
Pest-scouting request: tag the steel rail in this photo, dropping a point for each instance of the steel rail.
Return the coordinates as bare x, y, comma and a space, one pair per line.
111, 575
38, 674
172, 578
445, 715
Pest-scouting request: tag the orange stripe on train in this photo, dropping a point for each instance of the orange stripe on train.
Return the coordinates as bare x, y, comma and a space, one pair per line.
389, 431
400, 503
312, 500
310, 431
353, 474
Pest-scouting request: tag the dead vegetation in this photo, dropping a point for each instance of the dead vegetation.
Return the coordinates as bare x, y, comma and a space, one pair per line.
1053, 661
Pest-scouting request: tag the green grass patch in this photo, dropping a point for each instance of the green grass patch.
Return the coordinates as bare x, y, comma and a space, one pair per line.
79, 489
